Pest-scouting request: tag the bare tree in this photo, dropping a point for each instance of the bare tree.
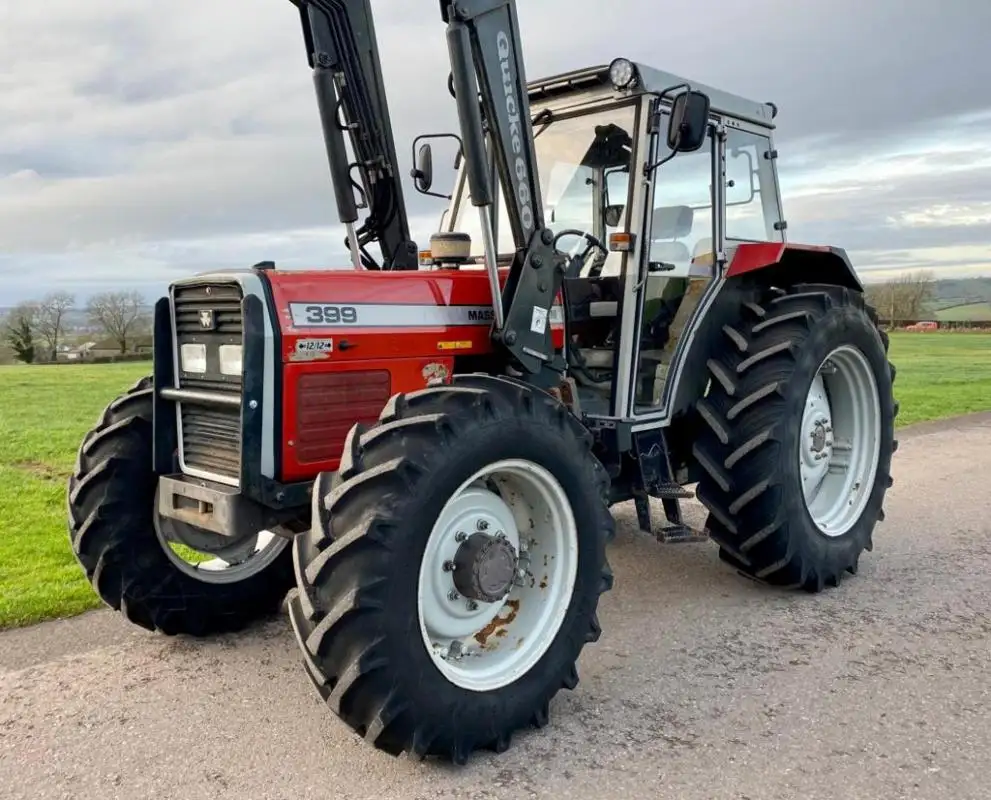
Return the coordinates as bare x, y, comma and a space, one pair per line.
905, 298
51, 319
118, 314
19, 327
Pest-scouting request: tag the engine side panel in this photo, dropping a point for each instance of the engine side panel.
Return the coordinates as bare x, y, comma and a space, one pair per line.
350, 340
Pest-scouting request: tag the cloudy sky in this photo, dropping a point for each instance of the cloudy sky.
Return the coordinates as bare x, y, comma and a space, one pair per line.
144, 140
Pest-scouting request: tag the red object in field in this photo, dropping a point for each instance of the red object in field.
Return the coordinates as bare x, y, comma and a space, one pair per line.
351, 339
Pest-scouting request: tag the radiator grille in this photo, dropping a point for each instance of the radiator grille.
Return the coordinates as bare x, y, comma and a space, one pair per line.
211, 435
223, 299
211, 439
329, 404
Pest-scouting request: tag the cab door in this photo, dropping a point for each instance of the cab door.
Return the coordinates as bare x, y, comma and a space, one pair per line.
677, 262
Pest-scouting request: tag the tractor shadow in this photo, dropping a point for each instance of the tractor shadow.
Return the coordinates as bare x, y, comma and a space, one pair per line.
683, 633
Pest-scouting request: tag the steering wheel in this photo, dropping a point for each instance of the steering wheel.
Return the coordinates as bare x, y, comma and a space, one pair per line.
576, 258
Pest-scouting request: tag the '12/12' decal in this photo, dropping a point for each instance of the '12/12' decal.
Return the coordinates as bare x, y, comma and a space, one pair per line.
314, 346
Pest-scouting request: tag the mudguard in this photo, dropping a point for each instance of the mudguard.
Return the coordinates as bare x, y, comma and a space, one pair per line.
785, 262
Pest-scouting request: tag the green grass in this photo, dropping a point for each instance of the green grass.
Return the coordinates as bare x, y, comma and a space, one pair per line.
45, 411
941, 374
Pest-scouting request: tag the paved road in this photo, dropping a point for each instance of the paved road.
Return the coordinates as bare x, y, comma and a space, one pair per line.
703, 686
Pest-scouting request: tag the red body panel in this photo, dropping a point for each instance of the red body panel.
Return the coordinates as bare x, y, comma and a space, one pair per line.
327, 386
757, 255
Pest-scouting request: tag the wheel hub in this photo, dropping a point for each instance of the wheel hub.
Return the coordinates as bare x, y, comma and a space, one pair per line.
485, 567
818, 437
497, 574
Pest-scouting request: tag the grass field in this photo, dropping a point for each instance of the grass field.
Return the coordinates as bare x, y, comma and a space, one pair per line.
45, 411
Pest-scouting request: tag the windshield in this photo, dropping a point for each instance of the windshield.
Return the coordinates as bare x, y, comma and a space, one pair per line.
583, 162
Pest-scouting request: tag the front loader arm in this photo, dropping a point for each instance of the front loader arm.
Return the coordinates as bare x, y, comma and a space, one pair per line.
483, 38
342, 50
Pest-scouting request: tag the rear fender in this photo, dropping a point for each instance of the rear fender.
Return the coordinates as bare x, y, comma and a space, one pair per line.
753, 267
784, 264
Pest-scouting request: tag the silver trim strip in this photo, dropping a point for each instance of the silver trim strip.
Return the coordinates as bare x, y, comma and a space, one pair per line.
314, 316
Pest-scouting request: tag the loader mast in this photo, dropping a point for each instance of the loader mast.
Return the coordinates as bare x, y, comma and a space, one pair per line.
342, 50
483, 39
490, 89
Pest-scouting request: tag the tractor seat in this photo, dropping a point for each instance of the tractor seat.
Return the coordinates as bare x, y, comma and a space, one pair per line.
669, 252
667, 225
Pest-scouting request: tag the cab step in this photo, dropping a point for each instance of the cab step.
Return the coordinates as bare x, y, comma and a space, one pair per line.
675, 531
671, 491
680, 534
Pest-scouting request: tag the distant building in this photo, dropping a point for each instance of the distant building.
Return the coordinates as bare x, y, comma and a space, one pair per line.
106, 348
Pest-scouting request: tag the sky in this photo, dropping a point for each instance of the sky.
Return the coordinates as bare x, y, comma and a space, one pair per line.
142, 141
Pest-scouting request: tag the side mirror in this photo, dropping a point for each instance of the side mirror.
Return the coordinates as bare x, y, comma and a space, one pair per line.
613, 215
689, 120
423, 159
423, 173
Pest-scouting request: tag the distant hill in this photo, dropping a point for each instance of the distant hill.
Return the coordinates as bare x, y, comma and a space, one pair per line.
968, 312
961, 292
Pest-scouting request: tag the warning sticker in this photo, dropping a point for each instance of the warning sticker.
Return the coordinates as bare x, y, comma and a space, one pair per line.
538, 322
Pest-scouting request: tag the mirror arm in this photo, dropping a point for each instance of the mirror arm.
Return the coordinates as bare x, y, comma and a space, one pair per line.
414, 174
649, 168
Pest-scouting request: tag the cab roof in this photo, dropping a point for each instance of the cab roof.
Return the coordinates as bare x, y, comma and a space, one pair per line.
652, 81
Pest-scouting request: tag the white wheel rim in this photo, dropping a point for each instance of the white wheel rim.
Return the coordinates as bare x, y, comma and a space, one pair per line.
483, 646
840, 443
233, 559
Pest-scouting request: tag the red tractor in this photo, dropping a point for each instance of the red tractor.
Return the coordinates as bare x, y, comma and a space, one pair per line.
424, 455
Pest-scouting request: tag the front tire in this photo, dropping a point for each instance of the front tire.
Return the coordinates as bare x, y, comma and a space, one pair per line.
117, 538
388, 636
798, 436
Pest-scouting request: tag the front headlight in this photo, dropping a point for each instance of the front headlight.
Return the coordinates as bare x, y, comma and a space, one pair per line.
231, 361
192, 357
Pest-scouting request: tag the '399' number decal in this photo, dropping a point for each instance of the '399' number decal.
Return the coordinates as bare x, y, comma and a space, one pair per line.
331, 315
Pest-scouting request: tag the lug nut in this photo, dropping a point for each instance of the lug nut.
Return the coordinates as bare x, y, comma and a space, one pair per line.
472, 605
452, 595
483, 525
448, 566
460, 536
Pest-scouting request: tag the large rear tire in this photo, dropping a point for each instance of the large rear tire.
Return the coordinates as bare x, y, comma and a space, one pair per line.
796, 450
407, 624
118, 539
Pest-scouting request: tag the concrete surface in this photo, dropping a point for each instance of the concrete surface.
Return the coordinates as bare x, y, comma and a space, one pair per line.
704, 685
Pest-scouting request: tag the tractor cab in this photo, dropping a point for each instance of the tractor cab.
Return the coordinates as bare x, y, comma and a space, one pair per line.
648, 222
